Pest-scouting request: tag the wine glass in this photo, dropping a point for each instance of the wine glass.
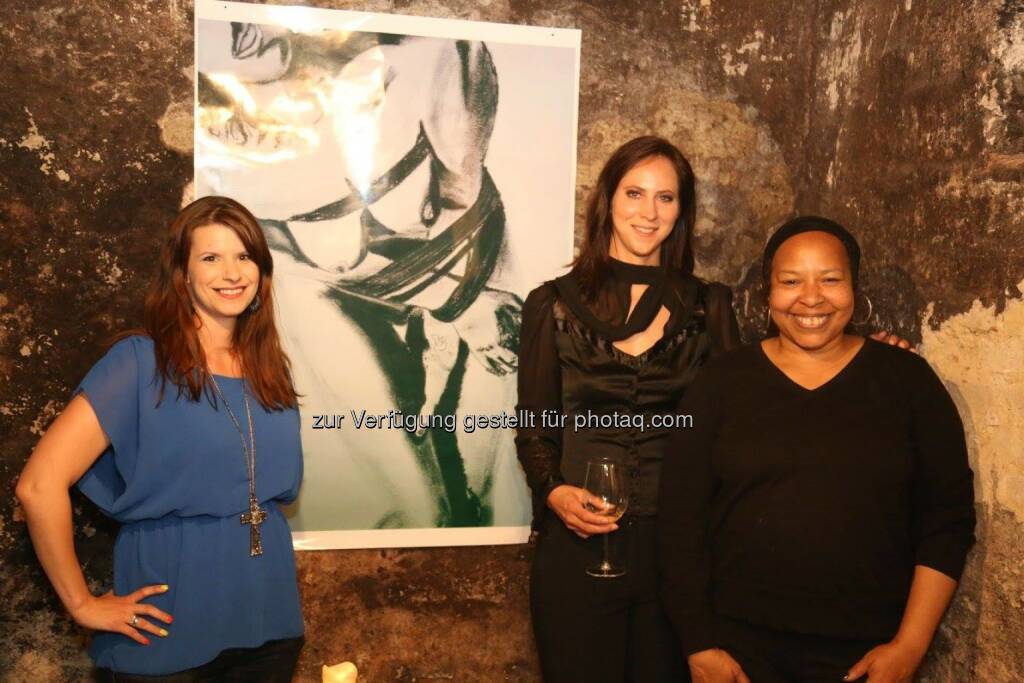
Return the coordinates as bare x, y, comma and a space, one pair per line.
606, 480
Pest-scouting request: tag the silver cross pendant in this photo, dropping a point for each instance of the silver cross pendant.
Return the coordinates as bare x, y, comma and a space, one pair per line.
254, 517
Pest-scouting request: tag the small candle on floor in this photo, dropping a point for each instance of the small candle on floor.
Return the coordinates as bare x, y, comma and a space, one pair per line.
340, 673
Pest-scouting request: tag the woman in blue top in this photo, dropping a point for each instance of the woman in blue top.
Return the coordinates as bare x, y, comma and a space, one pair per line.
189, 436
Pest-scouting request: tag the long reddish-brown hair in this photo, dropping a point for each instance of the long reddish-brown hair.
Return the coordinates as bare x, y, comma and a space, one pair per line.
170, 319
592, 266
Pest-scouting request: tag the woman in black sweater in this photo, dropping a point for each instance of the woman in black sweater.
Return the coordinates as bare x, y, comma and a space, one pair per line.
814, 522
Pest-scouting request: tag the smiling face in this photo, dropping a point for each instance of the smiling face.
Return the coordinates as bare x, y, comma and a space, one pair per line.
812, 296
222, 278
645, 207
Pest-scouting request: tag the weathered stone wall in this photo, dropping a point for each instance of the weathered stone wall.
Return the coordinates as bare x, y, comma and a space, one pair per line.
902, 119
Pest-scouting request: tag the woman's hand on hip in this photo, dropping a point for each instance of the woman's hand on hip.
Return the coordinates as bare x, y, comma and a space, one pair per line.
893, 662
123, 613
570, 504
715, 666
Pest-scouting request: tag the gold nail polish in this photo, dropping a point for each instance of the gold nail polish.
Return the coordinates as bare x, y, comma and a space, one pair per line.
163, 632
165, 588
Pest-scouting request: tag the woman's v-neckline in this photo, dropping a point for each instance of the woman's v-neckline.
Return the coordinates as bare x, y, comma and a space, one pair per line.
824, 385
664, 329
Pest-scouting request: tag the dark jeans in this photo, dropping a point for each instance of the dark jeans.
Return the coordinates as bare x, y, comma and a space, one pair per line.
771, 656
271, 662
601, 630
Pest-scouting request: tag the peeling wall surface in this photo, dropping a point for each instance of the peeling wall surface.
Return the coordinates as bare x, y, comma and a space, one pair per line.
901, 119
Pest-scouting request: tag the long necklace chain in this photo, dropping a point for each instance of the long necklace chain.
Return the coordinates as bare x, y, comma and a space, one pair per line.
255, 515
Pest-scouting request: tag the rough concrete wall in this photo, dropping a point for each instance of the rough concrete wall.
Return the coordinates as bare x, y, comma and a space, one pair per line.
981, 358
901, 119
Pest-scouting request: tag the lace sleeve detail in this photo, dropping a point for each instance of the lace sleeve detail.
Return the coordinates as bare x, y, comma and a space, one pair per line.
540, 388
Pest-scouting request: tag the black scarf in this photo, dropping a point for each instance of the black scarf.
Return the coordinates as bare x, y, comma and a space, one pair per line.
657, 294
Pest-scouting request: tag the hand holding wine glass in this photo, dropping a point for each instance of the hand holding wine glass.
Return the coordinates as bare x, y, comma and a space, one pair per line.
606, 483
574, 506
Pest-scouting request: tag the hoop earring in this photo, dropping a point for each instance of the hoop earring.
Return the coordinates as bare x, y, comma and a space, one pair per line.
254, 305
871, 310
768, 318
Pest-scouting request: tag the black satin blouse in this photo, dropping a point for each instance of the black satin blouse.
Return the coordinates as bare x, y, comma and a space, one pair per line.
567, 368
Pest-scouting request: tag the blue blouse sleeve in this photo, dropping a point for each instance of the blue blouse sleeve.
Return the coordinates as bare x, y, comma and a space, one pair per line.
289, 495
112, 389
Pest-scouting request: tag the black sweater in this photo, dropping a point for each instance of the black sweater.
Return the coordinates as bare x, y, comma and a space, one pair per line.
807, 510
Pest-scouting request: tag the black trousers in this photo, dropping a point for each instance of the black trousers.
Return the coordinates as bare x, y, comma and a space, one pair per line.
601, 630
271, 662
771, 656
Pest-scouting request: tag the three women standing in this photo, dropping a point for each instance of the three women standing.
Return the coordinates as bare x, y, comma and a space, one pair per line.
187, 434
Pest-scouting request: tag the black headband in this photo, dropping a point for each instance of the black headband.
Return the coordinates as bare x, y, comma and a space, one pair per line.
810, 224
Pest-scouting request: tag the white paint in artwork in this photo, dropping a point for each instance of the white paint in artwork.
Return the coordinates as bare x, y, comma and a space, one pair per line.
358, 99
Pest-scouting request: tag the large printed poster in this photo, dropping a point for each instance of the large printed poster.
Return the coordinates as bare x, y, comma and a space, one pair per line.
415, 179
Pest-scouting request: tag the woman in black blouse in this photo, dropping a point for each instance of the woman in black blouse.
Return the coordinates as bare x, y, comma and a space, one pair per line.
623, 333
815, 520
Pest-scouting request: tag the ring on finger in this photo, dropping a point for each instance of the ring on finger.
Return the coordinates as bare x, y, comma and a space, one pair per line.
134, 621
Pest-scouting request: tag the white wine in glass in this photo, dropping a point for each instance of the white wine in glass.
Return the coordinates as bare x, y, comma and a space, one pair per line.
606, 481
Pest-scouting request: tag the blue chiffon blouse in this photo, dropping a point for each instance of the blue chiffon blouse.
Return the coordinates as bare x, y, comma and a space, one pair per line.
176, 478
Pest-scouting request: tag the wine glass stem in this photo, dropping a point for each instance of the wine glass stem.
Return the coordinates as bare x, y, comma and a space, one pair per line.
607, 561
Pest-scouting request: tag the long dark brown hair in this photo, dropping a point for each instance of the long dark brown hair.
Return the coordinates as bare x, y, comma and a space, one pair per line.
591, 267
169, 317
